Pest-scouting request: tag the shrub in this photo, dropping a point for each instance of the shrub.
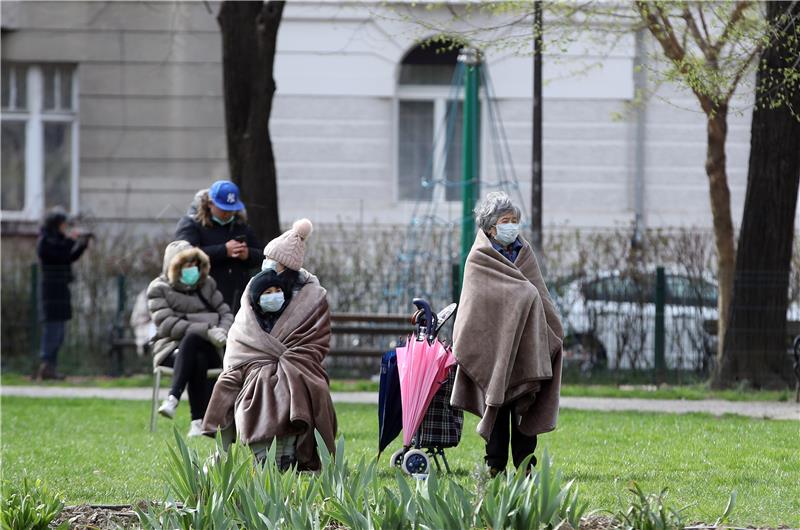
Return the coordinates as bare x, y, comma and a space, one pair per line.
29, 506
230, 490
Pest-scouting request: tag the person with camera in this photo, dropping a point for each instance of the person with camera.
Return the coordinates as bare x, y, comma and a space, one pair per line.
58, 247
217, 225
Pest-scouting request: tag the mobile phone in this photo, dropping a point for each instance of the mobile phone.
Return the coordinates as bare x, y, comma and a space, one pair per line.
241, 239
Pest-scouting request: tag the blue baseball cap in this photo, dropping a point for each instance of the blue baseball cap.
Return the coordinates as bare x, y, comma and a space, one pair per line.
225, 196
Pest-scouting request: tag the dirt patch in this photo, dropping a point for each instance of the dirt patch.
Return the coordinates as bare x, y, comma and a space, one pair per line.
104, 517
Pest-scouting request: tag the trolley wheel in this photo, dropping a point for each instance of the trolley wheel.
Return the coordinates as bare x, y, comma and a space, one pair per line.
396, 459
416, 462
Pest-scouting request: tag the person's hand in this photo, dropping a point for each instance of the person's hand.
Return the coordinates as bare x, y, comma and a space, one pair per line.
217, 336
243, 253
233, 248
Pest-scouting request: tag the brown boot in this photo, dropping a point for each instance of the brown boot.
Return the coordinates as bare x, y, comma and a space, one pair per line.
48, 371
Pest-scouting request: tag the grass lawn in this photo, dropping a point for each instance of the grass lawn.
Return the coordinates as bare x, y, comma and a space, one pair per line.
97, 451
694, 391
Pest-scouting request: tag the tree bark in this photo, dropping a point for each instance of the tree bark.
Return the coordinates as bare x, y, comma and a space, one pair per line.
249, 34
720, 195
755, 343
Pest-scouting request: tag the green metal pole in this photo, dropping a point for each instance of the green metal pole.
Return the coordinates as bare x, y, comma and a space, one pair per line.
661, 296
470, 152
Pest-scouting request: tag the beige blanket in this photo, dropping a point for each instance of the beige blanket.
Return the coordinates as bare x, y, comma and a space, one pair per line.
274, 384
507, 340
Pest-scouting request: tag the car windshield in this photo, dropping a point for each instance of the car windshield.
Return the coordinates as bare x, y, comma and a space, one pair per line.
681, 290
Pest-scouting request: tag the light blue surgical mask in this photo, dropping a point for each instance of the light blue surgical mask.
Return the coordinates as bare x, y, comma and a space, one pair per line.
507, 233
271, 303
222, 222
269, 264
190, 275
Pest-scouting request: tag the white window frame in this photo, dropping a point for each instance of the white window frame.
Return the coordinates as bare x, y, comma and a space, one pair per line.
35, 117
439, 95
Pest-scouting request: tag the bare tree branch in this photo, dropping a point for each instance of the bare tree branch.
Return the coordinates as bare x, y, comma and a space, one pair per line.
703, 22
701, 42
741, 71
736, 16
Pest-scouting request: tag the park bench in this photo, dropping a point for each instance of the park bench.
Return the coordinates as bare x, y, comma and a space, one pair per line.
342, 325
358, 325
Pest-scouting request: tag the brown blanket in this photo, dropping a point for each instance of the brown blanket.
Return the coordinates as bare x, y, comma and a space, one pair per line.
274, 384
507, 340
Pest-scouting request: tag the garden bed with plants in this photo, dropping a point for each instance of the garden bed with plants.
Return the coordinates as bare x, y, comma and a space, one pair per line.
100, 452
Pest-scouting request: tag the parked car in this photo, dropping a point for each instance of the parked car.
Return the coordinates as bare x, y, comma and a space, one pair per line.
610, 320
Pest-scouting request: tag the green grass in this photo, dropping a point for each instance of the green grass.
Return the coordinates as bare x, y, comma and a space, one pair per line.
97, 451
694, 391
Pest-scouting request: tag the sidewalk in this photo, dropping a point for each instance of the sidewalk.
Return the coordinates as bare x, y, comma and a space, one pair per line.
754, 409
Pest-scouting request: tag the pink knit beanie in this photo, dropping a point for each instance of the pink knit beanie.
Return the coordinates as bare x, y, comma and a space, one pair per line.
289, 248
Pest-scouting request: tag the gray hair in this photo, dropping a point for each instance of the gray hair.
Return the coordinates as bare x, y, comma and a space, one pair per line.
493, 207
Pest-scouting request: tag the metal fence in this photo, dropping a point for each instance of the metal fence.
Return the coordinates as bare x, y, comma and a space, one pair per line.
608, 298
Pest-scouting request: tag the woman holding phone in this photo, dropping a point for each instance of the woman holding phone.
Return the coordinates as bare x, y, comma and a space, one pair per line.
218, 227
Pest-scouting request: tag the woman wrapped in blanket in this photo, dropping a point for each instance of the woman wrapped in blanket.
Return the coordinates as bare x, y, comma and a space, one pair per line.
507, 339
273, 387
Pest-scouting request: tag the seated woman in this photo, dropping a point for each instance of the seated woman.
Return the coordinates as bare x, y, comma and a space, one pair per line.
192, 323
273, 387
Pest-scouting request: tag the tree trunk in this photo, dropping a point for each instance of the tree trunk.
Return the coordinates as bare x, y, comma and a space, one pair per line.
249, 33
755, 344
721, 213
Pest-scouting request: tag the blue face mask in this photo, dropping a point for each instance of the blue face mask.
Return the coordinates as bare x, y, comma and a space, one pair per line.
271, 303
507, 233
222, 222
190, 275
269, 264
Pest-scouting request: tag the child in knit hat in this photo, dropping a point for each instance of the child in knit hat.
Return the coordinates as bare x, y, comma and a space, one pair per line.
288, 249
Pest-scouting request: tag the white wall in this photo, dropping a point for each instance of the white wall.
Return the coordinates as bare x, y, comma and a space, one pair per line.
152, 121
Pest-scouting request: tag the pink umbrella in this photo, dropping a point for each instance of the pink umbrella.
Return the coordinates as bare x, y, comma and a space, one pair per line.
422, 368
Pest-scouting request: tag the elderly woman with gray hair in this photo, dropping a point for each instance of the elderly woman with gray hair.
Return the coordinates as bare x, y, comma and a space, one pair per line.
507, 339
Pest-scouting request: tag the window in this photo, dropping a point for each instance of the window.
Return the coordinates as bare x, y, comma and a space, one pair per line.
39, 139
428, 126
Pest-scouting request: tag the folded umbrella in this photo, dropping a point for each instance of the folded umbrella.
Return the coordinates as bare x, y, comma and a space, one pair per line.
422, 367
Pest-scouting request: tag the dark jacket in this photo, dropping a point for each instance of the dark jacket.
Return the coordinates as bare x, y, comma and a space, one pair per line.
231, 274
56, 253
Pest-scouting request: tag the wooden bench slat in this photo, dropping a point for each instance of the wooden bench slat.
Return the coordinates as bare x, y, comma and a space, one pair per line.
382, 318
344, 329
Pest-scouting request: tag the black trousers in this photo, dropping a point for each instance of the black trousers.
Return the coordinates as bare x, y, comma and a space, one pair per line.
497, 447
194, 357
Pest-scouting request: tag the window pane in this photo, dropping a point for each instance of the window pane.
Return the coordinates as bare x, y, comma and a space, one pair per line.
454, 147
14, 86
6, 85
426, 74
66, 88
49, 74
415, 143
57, 164
13, 165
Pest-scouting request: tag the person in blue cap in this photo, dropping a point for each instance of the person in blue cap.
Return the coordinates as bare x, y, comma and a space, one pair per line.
217, 224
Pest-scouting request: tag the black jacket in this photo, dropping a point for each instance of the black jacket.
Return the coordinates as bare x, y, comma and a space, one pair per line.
56, 253
231, 274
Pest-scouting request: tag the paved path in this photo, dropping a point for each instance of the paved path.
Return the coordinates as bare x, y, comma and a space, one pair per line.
754, 409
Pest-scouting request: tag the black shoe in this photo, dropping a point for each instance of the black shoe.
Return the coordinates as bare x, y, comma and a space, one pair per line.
48, 371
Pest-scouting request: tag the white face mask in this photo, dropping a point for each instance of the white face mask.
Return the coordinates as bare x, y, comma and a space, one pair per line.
272, 302
269, 264
507, 233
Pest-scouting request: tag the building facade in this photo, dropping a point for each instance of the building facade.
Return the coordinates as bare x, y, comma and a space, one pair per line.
115, 109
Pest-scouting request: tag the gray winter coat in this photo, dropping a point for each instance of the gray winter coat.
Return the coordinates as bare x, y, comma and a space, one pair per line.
178, 309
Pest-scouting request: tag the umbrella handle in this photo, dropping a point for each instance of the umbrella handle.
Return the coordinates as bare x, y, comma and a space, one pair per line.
430, 317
